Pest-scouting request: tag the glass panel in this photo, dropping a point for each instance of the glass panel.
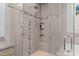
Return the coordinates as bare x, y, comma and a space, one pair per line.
76, 18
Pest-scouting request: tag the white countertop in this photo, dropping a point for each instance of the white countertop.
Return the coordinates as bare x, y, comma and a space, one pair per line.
5, 45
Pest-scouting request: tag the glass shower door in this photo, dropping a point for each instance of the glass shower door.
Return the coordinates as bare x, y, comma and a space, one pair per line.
69, 30
66, 30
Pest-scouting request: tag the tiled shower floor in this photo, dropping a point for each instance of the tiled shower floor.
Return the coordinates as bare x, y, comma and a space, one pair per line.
41, 53
61, 52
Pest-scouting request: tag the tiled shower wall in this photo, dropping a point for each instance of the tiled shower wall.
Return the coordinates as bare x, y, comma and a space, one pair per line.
54, 27
17, 24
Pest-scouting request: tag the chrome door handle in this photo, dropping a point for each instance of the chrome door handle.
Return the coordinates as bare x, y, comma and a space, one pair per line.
71, 43
64, 44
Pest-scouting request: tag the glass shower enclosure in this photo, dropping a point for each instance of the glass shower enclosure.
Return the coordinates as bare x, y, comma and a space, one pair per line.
42, 29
